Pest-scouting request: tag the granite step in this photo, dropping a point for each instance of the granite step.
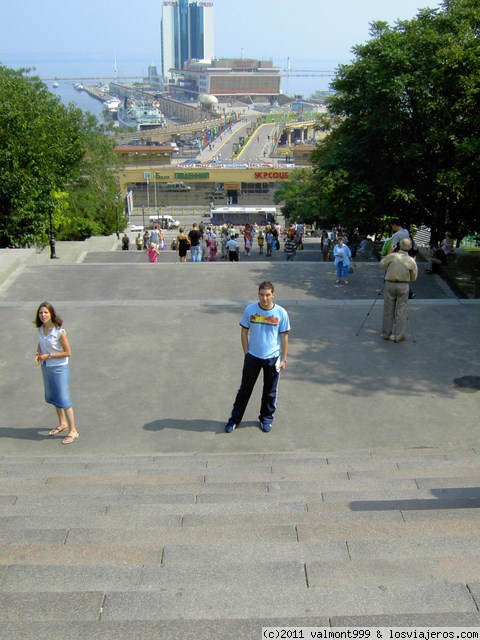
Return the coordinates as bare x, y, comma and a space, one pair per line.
207, 545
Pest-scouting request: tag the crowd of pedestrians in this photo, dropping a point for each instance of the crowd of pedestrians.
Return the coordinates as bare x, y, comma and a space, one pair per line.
210, 243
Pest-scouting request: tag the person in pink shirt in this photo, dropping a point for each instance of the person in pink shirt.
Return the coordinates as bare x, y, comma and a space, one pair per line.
153, 253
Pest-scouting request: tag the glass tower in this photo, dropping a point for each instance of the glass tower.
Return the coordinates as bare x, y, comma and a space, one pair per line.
187, 33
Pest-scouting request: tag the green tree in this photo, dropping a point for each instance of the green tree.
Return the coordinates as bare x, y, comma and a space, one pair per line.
404, 125
52, 158
299, 196
94, 199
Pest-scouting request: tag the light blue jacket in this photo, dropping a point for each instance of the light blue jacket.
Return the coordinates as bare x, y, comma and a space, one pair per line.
344, 254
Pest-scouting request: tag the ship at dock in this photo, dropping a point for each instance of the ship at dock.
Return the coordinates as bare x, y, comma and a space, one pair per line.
112, 105
140, 115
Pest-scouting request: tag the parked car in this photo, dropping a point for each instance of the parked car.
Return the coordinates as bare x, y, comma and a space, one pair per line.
164, 221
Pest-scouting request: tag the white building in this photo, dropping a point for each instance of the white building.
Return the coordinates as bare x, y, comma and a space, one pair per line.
227, 79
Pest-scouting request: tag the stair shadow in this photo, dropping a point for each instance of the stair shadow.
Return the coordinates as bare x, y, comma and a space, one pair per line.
447, 498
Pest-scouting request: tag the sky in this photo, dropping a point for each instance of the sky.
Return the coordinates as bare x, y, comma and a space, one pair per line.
319, 30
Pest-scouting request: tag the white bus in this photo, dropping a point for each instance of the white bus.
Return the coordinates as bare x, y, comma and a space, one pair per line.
238, 215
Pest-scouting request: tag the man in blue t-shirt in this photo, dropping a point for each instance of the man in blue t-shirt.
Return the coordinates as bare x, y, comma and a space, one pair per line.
264, 336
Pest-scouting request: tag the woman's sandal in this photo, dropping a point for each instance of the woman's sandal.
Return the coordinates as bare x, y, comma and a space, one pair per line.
70, 439
56, 431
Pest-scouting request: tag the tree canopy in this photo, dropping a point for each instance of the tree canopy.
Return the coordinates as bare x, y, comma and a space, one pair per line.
55, 167
404, 126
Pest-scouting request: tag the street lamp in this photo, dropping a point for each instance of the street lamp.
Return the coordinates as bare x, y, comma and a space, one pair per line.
116, 215
52, 237
155, 191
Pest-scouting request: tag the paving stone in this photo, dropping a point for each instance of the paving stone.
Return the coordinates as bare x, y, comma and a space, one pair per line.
391, 572
22, 607
32, 536
212, 487
450, 470
379, 495
202, 506
457, 454
163, 479
297, 460
50, 509
18, 460
330, 519
196, 605
88, 554
262, 476
450, 511
16, 486
262, 551
239, 629
68, 578
284, 575
431, 620
306, 472
101, 461
419, 504
415, 548
99, 522
246, 460
335, 487
43, 470
39, 501
135, 532
7, 500
22, 486
345, 510
284, 503
340, 457
182, 467
357, 529
452, 484
423, 453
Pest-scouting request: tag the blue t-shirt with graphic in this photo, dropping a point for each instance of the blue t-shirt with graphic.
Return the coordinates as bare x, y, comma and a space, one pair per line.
265, 327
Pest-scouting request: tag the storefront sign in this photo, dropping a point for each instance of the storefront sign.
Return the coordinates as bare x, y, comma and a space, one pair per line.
180, 175
272, 175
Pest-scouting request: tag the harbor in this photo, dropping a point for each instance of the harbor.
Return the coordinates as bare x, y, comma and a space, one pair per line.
133, 107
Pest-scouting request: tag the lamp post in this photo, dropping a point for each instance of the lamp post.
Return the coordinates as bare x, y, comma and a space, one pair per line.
52, 237
155, 191
116, 216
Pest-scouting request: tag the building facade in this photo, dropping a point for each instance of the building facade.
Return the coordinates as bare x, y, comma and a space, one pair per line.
227, 79
187, 32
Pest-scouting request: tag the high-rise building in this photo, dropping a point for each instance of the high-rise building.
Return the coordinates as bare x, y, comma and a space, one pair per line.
187, 33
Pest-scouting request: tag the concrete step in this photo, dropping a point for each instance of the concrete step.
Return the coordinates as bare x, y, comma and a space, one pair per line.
126, 545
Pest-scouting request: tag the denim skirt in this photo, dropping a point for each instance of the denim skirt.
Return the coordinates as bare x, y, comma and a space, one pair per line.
56, 381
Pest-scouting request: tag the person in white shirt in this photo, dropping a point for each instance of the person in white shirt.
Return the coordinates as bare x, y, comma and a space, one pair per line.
233, 249
53, 352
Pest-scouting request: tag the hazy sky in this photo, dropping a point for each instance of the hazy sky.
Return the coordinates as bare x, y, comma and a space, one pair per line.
299, 29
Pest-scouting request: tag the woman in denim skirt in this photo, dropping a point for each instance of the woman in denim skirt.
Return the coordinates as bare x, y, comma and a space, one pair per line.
53, 351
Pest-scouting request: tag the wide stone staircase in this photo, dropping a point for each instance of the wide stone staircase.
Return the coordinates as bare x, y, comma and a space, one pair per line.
220, 545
